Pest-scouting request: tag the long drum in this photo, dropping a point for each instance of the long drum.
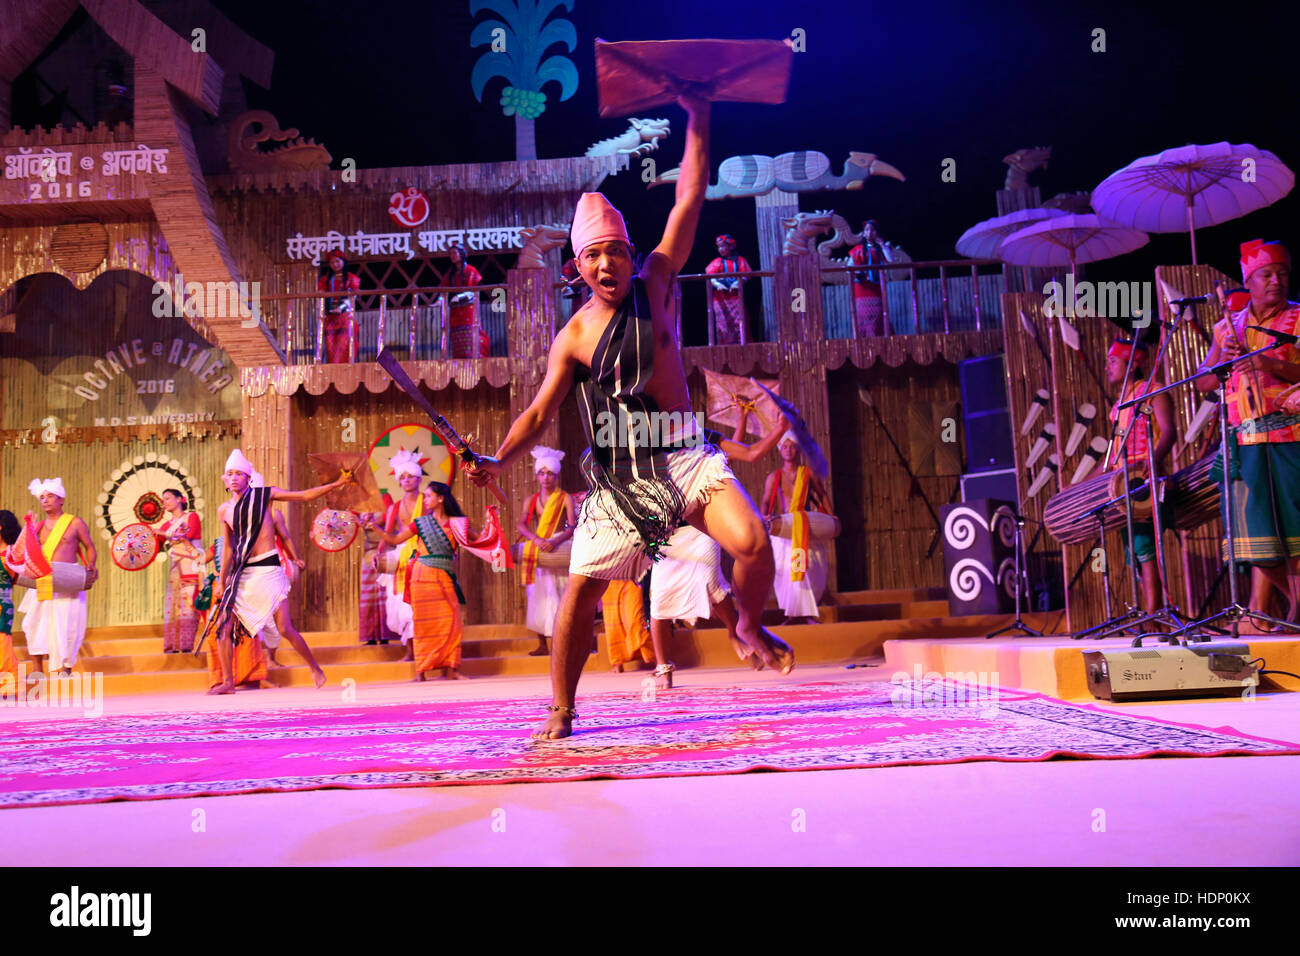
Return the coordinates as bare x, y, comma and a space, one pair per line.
1190, 493
68, 578
821, 527
557, 560
388, 561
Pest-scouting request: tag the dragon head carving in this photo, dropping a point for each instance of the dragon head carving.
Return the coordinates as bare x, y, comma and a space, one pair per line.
251, 146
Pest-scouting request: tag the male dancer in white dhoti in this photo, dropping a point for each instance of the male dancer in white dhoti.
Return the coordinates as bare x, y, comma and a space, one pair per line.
545, 522
55, 624
688, 584
802, 564
648, 466
254, 587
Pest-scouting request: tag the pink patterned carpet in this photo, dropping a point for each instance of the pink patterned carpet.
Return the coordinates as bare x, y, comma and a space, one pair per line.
689, 731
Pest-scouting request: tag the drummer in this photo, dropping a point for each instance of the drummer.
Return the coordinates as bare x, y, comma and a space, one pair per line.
55, 624
1265, 438
546, 522
1134, 436
791, 488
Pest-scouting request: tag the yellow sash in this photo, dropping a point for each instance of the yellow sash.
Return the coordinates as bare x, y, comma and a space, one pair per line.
408, 547
546, 526
799, 523
45, 585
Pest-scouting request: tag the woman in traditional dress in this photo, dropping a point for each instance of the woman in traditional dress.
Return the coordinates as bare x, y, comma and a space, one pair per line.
182, 536
9, 531
431, 588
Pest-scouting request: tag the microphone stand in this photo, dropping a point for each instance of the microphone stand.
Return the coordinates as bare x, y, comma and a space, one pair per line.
1022, 584
1234, 612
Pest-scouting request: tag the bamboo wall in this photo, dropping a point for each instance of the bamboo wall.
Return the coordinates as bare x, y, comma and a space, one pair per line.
119, 597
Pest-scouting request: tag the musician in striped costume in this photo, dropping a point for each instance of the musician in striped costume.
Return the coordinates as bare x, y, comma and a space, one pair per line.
1264, 452
254, 587
727, 292
648, 466
1131, 432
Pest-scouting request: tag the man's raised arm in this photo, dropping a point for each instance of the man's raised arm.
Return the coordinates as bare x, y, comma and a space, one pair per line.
311, 494
692, 181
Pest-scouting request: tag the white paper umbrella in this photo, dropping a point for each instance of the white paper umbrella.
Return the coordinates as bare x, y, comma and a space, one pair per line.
1069, 240
1190, 186
982, 240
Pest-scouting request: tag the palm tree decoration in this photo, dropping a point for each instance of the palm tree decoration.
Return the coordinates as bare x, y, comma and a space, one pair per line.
515, 54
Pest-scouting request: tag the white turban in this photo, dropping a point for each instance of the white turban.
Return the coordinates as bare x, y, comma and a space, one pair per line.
788, 437
544, 457
405, 462
237, 462
39, 487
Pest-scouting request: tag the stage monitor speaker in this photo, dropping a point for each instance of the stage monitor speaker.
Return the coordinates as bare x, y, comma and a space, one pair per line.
979, 556
991, 484
985, 415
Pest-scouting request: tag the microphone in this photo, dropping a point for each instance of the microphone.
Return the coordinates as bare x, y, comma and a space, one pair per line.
1286, 337
1189, 301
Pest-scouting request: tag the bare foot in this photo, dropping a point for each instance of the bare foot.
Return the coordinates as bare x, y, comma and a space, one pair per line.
410, 653
318, 676
744, 652
419, 677
452, 673
782, 652
617, 668
558, 724
226, 688
540, 650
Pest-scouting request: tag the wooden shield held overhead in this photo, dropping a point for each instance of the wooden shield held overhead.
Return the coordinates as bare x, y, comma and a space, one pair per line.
636, 75
726, 395
930, 425
361, 494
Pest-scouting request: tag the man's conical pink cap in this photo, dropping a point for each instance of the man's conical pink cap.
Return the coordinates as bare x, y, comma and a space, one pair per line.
595, 220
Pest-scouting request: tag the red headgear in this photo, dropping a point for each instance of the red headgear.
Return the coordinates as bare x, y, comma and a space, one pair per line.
1237, 300
1121, 348
728, 236
1257, 253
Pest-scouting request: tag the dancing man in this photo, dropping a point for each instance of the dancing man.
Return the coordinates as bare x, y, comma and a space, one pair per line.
727, 293
1264, 449
55, 624
802, 564
546, 521
647, 464
254, 587
1132, 432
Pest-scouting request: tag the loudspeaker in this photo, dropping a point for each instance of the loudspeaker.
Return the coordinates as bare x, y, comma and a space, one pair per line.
979, 558
991, 484
986, 418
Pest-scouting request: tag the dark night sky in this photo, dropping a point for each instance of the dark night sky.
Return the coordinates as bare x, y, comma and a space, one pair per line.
387, 83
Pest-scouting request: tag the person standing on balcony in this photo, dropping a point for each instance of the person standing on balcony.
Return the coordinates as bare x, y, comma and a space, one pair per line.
467, 339
339, 325
868, 288
727, 293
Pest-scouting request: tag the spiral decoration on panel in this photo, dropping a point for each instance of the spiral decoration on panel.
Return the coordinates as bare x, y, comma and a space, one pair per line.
1004, 523
964, 581
960, 527
1007, 575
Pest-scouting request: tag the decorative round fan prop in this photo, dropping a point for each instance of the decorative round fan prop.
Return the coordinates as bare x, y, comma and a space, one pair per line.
334, 530
133, 493
436, 459
134, 547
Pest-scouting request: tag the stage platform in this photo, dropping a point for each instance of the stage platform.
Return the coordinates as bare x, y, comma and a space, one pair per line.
856, 626
1053, 664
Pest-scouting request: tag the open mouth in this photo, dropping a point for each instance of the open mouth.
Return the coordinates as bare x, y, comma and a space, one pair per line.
608, 283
